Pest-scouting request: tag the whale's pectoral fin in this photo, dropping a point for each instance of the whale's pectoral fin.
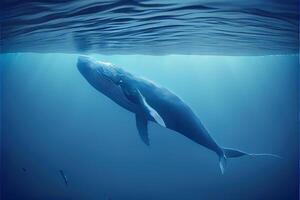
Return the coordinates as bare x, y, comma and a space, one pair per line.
135, 96
142, 126
152, 113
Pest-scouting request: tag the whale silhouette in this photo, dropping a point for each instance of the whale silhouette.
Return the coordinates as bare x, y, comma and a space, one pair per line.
151, 102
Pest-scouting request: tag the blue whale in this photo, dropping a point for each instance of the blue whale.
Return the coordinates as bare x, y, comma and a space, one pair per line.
151, 102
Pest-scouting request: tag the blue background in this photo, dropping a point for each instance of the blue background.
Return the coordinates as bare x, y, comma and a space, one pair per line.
52, 120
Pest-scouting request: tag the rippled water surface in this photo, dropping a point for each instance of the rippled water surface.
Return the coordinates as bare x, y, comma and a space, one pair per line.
258, 27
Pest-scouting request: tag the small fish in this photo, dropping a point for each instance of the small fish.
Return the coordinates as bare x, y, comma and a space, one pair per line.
24, 169
63, 175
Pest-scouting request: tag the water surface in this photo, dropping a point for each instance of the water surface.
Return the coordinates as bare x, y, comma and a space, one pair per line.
218, 27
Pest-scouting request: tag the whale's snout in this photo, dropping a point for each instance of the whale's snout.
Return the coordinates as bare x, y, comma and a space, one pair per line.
92, 70
83, 64
82, 59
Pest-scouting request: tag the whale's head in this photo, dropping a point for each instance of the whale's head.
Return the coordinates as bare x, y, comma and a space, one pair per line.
101, 75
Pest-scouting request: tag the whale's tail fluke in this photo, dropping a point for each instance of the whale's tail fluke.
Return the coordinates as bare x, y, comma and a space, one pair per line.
234, 153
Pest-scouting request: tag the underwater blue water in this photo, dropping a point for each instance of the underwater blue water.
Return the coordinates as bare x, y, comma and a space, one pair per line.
208, 27
53, 120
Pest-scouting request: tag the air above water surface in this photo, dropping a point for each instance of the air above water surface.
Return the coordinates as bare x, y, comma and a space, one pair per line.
218, 27
234, 63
